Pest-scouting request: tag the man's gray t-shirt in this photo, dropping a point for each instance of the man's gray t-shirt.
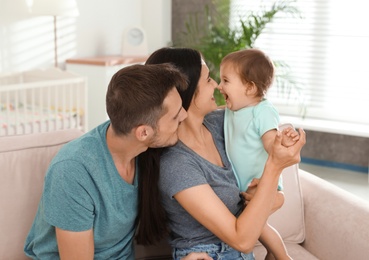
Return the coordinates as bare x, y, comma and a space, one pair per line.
180, 169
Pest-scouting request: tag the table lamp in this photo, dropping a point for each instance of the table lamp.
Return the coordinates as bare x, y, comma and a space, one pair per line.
53, 8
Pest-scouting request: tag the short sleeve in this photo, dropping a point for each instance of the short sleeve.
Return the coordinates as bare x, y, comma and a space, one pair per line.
266, 118
178, 172
66, 200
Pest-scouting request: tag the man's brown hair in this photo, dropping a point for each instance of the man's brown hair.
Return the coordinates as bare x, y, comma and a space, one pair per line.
136, 93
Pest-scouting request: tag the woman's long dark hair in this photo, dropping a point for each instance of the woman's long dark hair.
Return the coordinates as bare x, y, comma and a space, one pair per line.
152, 219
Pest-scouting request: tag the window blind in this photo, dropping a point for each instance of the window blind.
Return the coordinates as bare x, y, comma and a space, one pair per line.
327, 51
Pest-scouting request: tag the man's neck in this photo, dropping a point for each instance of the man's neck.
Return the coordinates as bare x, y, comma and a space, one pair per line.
124, 149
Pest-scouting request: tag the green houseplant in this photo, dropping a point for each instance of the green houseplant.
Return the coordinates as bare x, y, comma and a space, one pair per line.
214, 38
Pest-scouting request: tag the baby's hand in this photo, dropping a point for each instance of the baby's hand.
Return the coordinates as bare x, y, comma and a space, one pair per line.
289, 136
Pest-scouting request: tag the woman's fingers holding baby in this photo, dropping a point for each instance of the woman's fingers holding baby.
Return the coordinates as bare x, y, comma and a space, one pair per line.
251, 188
247, 197
254, 182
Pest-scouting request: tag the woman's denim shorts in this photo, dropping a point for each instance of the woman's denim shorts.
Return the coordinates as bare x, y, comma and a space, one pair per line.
216, 251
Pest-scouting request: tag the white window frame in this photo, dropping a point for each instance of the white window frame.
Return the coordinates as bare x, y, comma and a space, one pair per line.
328, 54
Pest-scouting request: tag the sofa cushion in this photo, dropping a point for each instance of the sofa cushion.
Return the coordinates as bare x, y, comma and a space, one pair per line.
337, 221
296, 251
24, 160
289, 219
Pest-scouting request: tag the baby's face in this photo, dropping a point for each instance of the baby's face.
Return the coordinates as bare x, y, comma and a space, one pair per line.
234, 90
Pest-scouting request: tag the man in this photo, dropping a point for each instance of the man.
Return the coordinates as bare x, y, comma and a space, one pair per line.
89, 203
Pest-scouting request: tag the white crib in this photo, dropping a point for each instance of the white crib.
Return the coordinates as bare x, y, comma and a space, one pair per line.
42, 101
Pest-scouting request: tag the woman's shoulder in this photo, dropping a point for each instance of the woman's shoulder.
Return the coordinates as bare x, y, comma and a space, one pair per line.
176, 154
180, 156
215, 118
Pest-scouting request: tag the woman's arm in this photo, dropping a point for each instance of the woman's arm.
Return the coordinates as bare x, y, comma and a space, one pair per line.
241, 233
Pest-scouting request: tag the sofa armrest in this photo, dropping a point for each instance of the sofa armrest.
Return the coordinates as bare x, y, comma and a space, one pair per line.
24, 160
336, 221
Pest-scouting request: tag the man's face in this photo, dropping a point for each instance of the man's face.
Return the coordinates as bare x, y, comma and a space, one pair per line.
167, 127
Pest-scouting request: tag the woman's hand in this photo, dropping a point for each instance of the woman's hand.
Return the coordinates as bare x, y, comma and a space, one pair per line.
197, 256
251, 189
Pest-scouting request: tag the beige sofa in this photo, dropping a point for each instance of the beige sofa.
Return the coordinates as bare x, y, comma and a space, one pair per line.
317, 221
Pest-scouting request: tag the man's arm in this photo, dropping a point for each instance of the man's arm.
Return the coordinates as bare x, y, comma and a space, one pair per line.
75, 245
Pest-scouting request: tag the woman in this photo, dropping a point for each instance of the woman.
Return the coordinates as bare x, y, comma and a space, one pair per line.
197, 186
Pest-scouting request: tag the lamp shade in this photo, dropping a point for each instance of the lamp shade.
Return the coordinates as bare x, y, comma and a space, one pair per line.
54, 7
11, 10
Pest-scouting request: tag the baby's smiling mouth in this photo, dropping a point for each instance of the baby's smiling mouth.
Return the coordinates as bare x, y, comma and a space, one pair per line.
225, 96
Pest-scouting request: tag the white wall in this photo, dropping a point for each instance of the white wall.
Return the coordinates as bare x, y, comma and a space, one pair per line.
157, 14
27, 42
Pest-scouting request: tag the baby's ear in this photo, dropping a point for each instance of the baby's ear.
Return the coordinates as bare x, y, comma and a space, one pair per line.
251, 89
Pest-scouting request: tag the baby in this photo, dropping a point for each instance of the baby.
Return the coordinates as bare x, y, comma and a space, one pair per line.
250, 125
